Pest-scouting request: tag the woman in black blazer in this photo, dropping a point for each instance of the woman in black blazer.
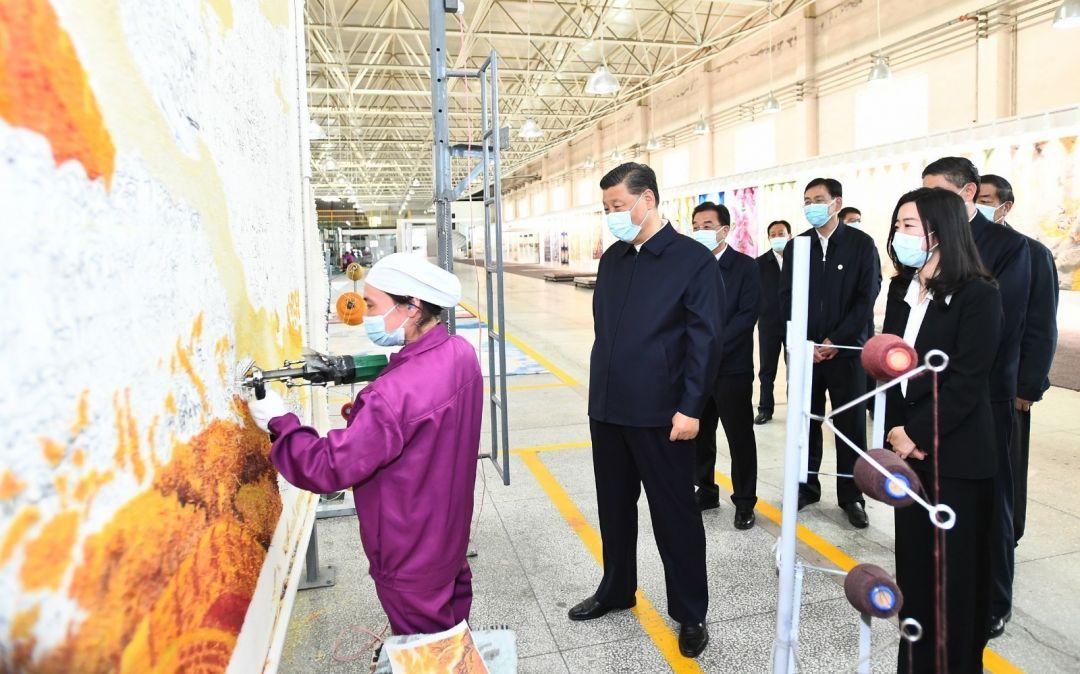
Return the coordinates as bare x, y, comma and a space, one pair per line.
939, 272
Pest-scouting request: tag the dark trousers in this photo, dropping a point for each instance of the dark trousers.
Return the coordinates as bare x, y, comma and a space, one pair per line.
769, 348
843, 379
624, 459
731, 405
966, 577
1002, 539
1021, 442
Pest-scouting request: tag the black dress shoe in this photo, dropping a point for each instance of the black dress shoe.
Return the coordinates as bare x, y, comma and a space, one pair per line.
744, 518
997, 625
805, 500
706, 501
693, 638
763, 418
590, 609
856, 514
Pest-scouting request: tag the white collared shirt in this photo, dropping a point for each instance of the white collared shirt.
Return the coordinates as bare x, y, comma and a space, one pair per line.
779, 260
721, 252
824, 243
916, 315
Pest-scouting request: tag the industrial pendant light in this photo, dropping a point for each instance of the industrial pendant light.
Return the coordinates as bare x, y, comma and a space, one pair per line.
589, 163
772, 105
652, 145
315, 132
879, 72
602, 82
702, 127
616, 155
329, 165
530, 129
1067, 15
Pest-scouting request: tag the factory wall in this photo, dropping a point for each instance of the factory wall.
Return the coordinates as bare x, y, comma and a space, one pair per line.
940, 85
155, 231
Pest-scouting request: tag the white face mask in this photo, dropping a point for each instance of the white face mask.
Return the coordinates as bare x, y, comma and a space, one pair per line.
706, 237
375, 326
622, 226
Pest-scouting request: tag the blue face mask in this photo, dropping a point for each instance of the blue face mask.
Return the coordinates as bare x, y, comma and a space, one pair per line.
818, 214
989, 212
909, 251
854, 224
778, 243
376, 330
706, 237
621, 226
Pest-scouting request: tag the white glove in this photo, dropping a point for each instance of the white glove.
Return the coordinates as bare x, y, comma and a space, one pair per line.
262, 411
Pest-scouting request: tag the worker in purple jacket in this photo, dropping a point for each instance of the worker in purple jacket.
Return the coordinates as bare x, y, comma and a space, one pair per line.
409, 450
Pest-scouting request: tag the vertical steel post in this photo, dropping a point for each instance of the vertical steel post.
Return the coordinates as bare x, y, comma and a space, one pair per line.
865, 633
440, 146
878, 434
787, 601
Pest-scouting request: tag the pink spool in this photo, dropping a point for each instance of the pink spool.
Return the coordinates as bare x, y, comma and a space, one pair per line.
871, 590
886, 357
882, 488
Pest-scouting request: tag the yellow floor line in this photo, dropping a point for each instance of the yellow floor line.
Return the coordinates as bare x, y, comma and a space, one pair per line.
651, 620
528, 350
534, 387
549, 448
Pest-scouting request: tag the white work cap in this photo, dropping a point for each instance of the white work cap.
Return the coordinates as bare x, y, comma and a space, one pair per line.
412, 276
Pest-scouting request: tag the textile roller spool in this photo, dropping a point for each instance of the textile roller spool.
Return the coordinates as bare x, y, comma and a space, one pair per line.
886, 357
879, 487
871, 590
351, 308
317, 369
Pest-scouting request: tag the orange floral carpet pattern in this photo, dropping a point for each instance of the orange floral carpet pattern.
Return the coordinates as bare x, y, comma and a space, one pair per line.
166, 584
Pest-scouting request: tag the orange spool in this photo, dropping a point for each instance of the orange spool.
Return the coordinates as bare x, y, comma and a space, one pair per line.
346, 410
354, 271
886, 357
350, 308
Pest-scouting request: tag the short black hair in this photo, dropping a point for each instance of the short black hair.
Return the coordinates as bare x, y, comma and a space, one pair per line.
945, 216
1003, 187
846, 211
723, 216
959, 171
833, 186
637, 178
785, 223
428, 311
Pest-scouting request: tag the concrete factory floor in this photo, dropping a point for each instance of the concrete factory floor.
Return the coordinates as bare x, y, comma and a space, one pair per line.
538, 540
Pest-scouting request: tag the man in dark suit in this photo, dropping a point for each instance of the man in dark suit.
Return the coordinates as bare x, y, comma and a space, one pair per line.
1037, 345
656, 313
845, 277
771, 326
732, 403
852, 217
1005, 254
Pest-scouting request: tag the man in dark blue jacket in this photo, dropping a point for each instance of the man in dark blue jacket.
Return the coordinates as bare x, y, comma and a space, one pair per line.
1005, 254
1037, 347
656, 313
733, 393
845, 277
771, 325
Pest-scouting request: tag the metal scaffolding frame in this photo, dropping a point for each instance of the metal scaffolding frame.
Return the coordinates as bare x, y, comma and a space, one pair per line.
493, 140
